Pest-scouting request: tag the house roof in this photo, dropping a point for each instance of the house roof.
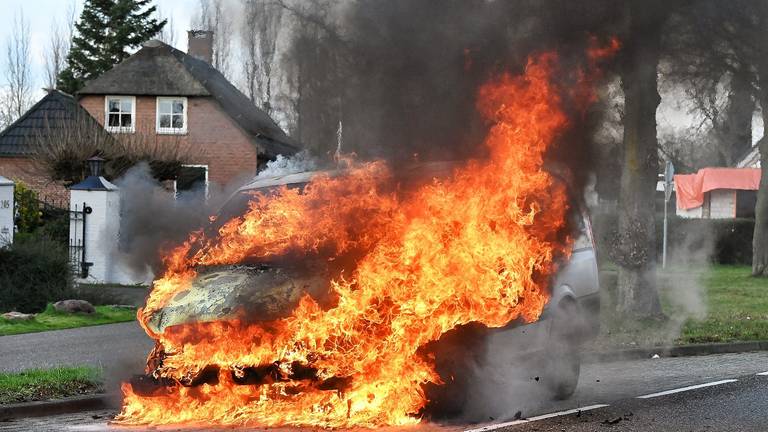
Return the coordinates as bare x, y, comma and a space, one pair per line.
94, 183
51, 112
690, 188
158, 69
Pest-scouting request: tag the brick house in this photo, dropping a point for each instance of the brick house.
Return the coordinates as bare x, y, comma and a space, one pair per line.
55, 110
177, 98
183, 100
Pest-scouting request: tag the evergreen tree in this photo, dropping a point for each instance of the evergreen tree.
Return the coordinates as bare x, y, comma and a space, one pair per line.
107, 29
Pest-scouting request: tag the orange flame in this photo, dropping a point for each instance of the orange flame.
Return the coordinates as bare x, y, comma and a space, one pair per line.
477, 247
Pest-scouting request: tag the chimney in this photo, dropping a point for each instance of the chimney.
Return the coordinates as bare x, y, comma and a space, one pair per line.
200, 45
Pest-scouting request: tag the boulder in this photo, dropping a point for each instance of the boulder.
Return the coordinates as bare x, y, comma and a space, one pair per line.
73, 306
18, 316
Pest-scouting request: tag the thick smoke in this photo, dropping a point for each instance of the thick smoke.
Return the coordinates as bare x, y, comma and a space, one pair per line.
154, 218
403, 75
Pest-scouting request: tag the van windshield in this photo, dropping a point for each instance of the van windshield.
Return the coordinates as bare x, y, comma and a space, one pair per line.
237, 205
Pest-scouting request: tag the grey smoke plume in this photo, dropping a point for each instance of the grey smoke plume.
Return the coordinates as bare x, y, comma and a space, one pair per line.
403, 76
153, 219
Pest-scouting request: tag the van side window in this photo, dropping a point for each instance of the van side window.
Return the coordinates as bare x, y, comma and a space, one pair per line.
581, 237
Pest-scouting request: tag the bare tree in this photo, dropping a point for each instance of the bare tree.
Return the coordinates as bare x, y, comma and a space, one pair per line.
212, 15
55, 55
260, 32
728, 39
168, 33
62, 145
18, 71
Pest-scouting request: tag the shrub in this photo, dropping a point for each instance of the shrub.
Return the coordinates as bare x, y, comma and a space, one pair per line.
27, 208
727, 241
55, 226
722, 241
33, 272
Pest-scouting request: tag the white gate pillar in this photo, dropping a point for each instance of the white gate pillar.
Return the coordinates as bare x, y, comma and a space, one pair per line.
6, 211
100, 202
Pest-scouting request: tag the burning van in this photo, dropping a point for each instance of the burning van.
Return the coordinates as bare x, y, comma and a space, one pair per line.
363, 296
268, 291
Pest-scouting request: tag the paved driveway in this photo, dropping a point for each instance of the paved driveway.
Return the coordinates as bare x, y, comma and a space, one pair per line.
120, 348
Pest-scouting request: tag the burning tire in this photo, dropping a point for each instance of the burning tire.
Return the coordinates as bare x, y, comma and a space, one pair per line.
457, 355
562, 362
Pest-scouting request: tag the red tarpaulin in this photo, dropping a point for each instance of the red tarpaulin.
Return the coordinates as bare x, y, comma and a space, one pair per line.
690, 188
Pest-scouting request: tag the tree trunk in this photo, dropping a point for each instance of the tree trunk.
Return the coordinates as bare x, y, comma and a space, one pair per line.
737, 134
635, 248
760, 236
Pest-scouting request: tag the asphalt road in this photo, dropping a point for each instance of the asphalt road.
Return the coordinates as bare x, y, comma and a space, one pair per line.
739, 405
120, 347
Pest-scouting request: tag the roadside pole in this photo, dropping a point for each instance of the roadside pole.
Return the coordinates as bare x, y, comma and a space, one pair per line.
669, 173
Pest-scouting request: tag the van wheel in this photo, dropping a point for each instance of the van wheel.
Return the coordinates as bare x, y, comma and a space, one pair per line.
562, 362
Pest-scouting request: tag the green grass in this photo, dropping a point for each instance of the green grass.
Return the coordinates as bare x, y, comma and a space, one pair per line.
737, 308
50, 319
715, 304
43, 384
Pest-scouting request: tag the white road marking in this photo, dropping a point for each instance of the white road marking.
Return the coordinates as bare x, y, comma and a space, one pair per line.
763, 373
568, 412
682, 389
497, 426
532, 419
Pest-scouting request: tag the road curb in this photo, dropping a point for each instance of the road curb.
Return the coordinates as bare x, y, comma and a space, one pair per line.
58, 406
674, 351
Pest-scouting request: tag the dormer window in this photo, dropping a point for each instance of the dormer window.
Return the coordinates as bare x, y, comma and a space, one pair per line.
171, 115
120, 113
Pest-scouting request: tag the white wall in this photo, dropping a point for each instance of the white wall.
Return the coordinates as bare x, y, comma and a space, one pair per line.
102, 236
722, 204
6, 211
694, 213
718, 204
97, 230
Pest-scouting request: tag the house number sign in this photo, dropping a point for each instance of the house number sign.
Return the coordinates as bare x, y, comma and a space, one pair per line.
5, 204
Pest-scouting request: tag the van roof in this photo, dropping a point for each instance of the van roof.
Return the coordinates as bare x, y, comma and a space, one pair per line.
435, 169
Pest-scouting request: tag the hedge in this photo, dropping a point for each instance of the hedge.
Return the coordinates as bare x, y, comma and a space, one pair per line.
33, 272
722, 241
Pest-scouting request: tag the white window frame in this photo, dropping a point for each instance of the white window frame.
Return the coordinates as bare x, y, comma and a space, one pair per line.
207, 171
170, 130
120, 129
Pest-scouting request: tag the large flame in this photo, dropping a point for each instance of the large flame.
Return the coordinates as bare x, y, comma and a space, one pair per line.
476, 247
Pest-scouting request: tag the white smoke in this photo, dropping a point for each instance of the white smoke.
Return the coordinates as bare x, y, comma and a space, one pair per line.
300, 162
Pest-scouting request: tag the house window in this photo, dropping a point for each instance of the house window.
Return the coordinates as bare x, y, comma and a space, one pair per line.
192, 182
121, 111
171, 115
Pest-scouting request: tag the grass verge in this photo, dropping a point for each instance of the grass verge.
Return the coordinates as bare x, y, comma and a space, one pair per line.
50, 319
44, 384
716, 304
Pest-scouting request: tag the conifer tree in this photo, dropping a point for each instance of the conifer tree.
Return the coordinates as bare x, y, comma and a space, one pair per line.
106, 31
